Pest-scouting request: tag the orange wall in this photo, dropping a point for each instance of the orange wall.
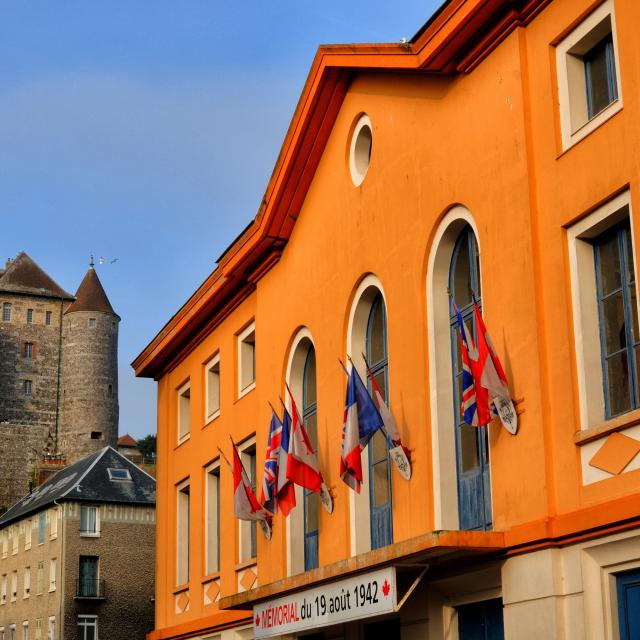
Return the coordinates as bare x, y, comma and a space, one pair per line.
487, 140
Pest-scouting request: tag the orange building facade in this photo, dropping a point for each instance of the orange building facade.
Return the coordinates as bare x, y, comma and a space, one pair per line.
494, 153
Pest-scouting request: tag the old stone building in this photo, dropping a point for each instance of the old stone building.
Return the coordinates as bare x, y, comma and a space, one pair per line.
58, 373
77, 554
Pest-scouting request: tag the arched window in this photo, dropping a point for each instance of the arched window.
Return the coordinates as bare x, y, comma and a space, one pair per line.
379, 464
472, 446
310, 419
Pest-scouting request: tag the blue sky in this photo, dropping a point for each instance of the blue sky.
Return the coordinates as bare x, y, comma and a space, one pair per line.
147, 132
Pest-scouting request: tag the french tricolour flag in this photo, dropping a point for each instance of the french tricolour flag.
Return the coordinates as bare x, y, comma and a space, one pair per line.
361, 421
302, 466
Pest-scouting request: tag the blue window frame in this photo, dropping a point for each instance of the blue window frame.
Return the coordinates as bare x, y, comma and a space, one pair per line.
600, 76
628, 592
472, 445
481, 620
618, 317
379, 463
310, 419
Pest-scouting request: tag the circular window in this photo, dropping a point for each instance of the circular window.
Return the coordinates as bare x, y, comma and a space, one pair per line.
360, 152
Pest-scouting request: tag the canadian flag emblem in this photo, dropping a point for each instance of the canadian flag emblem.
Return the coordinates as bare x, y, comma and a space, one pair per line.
386, 587
257, 620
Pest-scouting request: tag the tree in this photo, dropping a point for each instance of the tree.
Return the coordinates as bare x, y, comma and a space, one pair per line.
147, 446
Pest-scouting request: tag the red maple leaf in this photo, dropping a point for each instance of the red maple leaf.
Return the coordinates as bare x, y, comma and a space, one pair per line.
386, 587
258, 620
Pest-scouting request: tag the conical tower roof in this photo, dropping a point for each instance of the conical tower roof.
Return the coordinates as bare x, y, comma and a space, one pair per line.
23, 275
90, 295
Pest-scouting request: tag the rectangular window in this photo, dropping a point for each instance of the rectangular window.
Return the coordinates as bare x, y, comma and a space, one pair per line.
28, 350
88, 585
12, 632
184, 412
182, 538
27, 534
603, 290
25, 630
248, 529
213, 519
15, 541
92, 323
89, 521
52, 574
5, 543
213, 388
247, 360
87, 627
29, 316
27, 387
588, 82
6, 312
618, 313
26, 582
41, 526
14, 586
53, 525
40, 578
51, 629
628, 592
3, 589
38, 633
47, 318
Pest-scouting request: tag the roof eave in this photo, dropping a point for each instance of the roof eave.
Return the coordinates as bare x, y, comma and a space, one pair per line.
455, 40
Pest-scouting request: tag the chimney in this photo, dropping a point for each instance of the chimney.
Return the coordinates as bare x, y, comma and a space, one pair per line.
7, 264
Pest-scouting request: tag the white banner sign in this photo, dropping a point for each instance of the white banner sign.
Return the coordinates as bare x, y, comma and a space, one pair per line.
366, 595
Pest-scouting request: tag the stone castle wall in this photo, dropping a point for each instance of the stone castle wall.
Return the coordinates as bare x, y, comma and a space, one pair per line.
73, 398
27, 422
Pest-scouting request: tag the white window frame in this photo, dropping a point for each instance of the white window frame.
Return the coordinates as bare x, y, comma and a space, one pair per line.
51, 628
85, 621
88, 533
586, 324
247, 359
212, 524
53, 524
244, 526
184, 412
572, 93
26, 582
53, 566
28, 532
15, 541
25, 630
14, 585
4, 581
183, 532
112, 478
212, 388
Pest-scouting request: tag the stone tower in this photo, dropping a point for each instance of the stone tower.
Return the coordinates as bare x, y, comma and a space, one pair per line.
89, 402
31, 311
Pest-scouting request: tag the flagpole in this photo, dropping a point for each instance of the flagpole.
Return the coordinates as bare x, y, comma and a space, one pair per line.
225, 457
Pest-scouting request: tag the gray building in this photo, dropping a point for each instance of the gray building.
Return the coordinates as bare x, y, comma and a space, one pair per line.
58, 373
77, 554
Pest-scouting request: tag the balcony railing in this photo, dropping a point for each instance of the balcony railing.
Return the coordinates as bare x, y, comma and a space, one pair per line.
90, 588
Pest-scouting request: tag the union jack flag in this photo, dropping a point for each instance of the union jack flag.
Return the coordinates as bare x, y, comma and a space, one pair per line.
269, 488
469, 404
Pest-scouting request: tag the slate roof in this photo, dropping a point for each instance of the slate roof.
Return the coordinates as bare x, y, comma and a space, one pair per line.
90, 296
23, 275
88, 481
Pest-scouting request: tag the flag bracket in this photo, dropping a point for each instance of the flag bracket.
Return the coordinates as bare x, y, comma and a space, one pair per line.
412, 587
